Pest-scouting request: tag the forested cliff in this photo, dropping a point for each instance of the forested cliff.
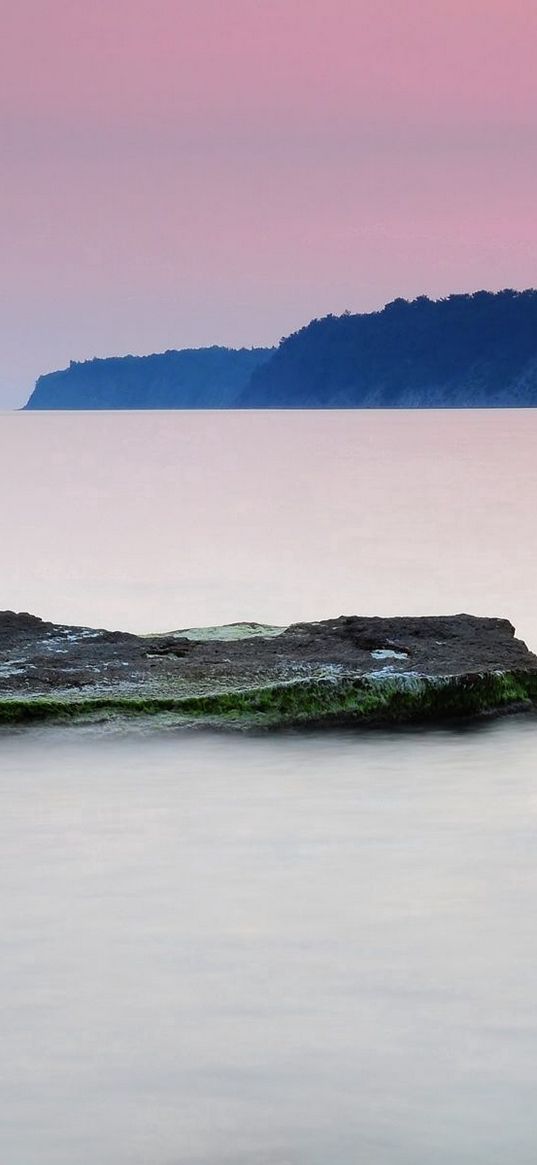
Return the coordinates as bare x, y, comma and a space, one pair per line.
465, 351
194, 378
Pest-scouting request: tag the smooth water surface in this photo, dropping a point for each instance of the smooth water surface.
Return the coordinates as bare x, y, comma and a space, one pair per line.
153, 521
289, 950
252, 950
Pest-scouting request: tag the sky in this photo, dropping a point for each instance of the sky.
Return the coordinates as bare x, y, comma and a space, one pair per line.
186, 172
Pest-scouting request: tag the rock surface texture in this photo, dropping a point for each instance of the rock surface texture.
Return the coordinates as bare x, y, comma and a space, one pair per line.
348, 670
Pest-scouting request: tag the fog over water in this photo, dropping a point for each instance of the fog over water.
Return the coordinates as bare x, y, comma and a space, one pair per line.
268, 950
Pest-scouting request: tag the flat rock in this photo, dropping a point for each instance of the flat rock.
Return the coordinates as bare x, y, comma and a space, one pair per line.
344, 670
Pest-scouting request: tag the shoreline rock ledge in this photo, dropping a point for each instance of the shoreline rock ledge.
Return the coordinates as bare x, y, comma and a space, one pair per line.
344, 671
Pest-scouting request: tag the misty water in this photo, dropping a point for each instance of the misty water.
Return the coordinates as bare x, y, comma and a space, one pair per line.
257, 950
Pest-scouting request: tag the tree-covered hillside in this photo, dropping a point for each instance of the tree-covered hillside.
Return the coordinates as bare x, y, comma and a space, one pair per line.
465, 351
196, 378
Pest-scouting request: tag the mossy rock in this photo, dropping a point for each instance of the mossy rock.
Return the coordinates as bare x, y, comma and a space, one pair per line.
360, 700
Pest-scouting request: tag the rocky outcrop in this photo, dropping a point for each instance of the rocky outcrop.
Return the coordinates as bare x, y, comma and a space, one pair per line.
348, 670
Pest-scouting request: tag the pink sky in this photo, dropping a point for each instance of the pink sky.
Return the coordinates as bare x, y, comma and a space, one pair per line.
184, 172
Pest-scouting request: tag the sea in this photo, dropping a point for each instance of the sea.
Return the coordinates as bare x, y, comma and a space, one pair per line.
302, 949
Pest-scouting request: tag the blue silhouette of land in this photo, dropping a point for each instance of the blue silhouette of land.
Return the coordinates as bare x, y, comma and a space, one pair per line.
465, 351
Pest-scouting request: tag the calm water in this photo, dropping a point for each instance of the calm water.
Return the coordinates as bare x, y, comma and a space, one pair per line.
251, 951
149, 521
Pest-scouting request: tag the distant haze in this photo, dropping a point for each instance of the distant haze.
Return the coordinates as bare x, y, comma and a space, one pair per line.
180, 173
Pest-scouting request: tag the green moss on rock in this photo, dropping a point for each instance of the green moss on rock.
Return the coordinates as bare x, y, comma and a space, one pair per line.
350, 700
